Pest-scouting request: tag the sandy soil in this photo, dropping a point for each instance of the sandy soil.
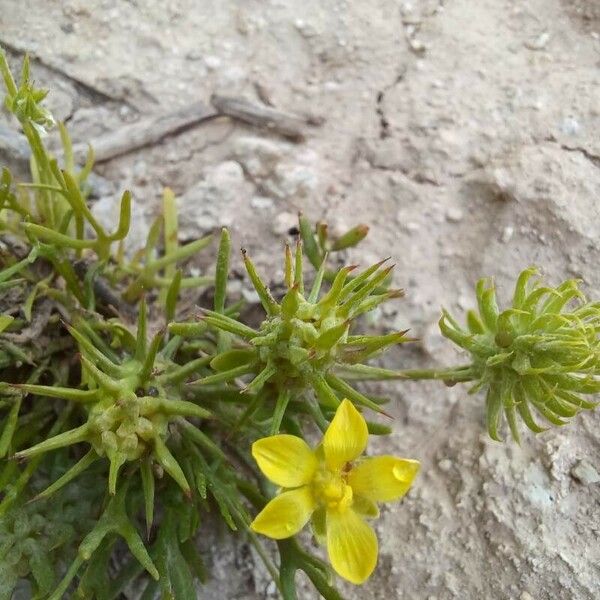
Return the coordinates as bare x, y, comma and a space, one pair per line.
465, 133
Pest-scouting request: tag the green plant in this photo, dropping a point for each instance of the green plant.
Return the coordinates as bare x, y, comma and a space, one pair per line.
542, 352
124, 421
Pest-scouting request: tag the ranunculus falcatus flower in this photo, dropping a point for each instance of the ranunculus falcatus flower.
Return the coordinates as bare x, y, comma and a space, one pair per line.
335, 487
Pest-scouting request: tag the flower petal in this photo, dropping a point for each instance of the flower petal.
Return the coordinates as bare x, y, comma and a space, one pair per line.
346, 437
351, 545
286, 460
383, 478
286, 514
364, 507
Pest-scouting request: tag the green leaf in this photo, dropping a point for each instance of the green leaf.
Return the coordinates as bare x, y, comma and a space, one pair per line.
136, 546
76, 470
124, 218
172, 296
170, 228
288, 269
298, 269
224, 376
269, 304
338, 384
488, 309
494, 412
231, 359
222, 271
332, 336
351, 238
42, 571
5, 321
10, 426
148, 364
73, 436
170, 465
148, 489
261, 379
334, 294
95, 581
229, 324
282, 401
176, 579
194, 560
290, 302
318, 282
309, 242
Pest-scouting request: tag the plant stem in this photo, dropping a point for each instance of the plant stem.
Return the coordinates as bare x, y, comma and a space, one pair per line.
367, 372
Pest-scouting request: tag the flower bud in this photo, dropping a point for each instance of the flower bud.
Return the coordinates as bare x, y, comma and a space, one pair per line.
540, 353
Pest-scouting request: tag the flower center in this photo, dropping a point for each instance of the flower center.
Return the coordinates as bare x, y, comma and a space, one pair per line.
331, 489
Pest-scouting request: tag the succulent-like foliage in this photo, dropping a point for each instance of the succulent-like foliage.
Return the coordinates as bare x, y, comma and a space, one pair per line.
294, 354
129, 400
541, 353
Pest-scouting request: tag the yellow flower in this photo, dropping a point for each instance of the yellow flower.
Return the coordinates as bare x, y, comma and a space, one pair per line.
334, 487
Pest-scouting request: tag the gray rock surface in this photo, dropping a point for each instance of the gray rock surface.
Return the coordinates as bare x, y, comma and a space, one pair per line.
207, 205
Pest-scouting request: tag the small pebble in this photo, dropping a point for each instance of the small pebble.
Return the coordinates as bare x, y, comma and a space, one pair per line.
194, 54
445, 465
417, 46
507, 234
271, 590
570, 126
411, 226
454, 215
432, 341
250, 296
464, 302
540, 42
261, 203
283, 222
212, 62
585, 473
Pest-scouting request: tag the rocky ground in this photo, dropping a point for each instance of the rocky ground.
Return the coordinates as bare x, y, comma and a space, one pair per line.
465, 134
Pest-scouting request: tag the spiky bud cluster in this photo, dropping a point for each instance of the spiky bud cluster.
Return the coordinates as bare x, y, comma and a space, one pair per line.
540, 353
25, 100
305, 336
130, 401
